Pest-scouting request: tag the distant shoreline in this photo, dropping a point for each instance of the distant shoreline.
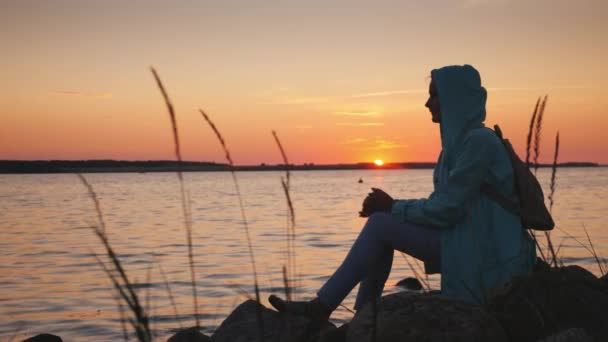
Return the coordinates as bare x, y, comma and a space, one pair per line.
102, 166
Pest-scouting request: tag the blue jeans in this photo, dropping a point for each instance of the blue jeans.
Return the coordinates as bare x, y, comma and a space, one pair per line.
370, 259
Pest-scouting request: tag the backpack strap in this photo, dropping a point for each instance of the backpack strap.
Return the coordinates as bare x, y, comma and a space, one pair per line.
502, 200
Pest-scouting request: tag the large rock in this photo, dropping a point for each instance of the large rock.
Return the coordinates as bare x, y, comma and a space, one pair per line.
242, 325
334, 334
44, 338
189, 335
570, 335
549, 301
408, 316
409, 283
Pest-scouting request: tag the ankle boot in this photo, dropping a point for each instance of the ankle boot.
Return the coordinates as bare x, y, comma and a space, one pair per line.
313, 309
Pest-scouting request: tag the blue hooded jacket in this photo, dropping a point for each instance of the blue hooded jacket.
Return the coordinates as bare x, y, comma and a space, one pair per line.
482, 244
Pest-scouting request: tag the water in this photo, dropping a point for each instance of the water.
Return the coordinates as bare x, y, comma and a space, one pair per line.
51, 282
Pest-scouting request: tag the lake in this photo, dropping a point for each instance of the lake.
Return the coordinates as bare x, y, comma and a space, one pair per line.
50, 281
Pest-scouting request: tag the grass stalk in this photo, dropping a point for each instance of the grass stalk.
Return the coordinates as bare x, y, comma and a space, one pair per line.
120, 282
121, 313
244, 217
553, 174
538, 129
551, 196
185, 206
171, 298
290, 272
600, 264
416, 274
530, 132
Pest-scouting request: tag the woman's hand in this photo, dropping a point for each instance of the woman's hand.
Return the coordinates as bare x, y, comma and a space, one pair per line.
376, 201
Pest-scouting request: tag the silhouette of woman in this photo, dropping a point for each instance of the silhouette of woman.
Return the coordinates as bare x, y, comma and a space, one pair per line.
457, 231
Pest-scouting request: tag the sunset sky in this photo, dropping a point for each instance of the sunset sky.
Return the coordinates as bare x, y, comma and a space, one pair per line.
340, 81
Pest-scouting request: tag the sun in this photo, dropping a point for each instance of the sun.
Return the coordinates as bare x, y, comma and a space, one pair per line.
378, 162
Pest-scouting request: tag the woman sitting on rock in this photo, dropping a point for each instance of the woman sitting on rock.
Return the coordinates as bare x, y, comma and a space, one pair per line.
457, 231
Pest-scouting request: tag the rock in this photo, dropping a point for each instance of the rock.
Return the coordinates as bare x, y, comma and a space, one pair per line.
44, 338
189, 335
334, 334
410, 283
242, 326
541, 304
408, 316
570, 335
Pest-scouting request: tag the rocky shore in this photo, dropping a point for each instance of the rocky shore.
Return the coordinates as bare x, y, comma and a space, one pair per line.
551, 305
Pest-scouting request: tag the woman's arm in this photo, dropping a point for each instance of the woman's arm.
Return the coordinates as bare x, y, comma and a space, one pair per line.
447, 205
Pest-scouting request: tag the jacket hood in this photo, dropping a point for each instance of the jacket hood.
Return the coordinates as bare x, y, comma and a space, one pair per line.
462, 100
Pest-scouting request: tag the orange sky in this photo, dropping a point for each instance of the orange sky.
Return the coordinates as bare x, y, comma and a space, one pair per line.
340, 81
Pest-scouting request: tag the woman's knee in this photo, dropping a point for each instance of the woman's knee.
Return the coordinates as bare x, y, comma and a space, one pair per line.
378, 222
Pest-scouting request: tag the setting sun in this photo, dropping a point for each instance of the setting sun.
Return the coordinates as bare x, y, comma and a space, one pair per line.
378, 162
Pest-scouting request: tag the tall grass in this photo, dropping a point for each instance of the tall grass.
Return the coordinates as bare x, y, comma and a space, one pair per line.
530, 132
171, 298
417, 271
551, 197
140, 322
244, 218
534, 136
185, 202
529, 137
538, 132
601, 264
289, 271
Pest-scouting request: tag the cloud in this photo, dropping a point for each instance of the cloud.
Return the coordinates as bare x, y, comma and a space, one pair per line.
354, 141
360, 124
296, 100
384, 144
540, 89
365, 113
83, 94
390, 93
479, 3
379, 143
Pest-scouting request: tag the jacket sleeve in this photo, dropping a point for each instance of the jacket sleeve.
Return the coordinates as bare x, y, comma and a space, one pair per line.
447, 205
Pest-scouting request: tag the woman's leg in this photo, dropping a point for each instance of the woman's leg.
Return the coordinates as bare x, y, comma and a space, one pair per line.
370, 257
372, 285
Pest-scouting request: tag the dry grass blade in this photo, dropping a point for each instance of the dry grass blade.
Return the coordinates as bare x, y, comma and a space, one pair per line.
291, 224
141, 323
539, 248
421, 269
286, 284
184, 198
551, 249
96, 202
148, 307
551, 195
219, 137
160, 85
538, 132
553, 173
595, 255
530, 132
17, 331
171, 298
244, 217
283, 154
416, 274
347, 309
121, 313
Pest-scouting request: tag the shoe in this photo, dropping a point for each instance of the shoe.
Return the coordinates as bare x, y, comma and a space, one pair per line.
313, 309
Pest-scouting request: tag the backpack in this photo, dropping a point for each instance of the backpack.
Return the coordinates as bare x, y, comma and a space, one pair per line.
531, 200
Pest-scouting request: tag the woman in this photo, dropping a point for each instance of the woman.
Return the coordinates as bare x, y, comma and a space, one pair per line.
457, 231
